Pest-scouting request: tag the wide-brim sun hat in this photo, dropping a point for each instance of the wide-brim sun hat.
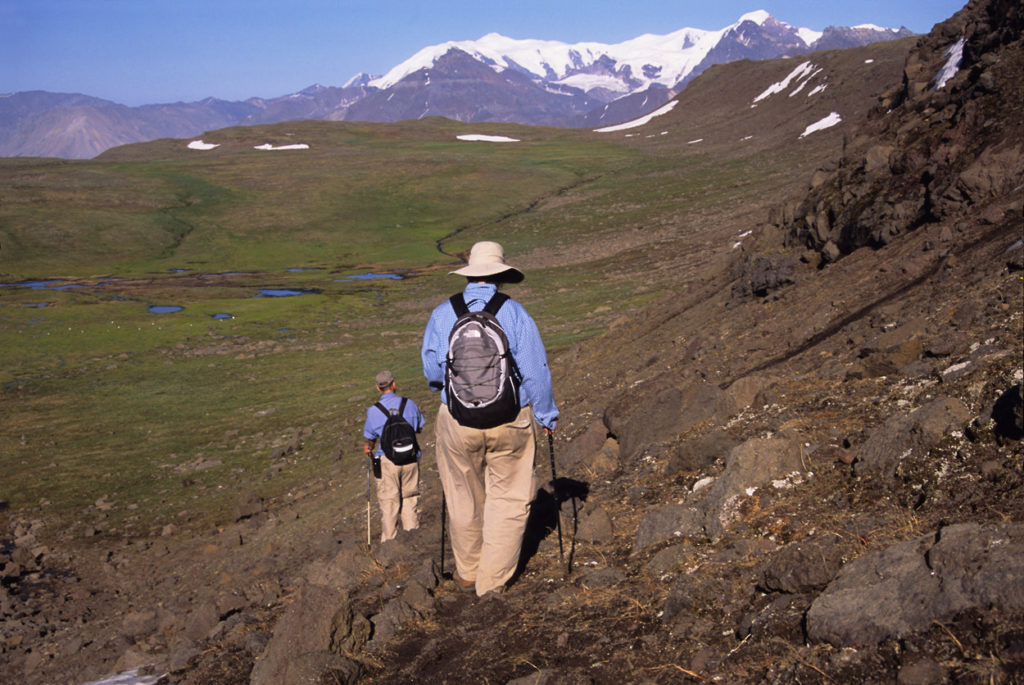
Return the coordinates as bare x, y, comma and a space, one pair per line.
487, 258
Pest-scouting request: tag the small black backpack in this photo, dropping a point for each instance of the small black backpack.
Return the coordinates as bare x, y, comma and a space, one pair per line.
481, 378
398, 437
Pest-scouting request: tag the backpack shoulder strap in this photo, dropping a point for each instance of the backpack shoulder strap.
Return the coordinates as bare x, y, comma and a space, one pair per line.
401, 407
382, 408
458, 304
494, 304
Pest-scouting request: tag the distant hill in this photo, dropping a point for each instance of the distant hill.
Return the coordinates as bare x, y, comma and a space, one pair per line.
491, 79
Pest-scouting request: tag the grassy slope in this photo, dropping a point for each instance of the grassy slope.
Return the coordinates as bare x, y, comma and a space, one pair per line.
102, 399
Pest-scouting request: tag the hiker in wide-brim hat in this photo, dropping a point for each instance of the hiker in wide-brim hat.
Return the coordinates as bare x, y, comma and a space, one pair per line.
487, 261
485, 452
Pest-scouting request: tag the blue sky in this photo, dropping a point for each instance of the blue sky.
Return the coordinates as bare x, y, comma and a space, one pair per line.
153, 51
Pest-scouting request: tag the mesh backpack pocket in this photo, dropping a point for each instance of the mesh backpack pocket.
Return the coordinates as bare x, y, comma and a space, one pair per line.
481, 378
398, 437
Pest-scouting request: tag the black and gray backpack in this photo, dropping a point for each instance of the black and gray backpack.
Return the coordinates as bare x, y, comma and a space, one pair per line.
398, 437
481, 379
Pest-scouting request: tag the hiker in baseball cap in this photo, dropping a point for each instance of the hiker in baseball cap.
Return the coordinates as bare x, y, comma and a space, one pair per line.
384, 379
395, 460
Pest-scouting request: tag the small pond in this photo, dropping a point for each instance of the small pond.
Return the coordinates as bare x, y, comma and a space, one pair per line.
286, 292
370, 276
165, 309
34, 285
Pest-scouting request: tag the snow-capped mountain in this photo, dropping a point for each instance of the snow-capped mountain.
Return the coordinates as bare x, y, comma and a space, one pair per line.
495, 78
612, 71
583, 84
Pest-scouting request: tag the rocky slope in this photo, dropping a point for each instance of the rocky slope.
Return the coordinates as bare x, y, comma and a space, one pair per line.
804, 465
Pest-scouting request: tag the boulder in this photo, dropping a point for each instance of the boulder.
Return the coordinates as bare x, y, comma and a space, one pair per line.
902, 436
782, 619
595, 525
601, 578
668, 522
894, 349
905, 587
320, 622
699, 453
877, 158
803, 566
922, 671
246, 505
662, 414
771, 272
316, 668
606, 461
386, 624
201, 621
749, 466
744, 391
669, 560
581, 449
417, 596
136, 624
347, 566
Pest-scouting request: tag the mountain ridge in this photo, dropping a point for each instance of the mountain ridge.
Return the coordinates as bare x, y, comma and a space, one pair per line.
517, 81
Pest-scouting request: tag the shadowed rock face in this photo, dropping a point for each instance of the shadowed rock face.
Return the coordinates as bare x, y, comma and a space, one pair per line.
927, 154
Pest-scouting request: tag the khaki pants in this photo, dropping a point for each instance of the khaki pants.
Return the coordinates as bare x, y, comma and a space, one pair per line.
398, 491
487, 476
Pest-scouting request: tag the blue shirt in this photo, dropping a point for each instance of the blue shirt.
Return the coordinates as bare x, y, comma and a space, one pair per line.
523, 341
375, 418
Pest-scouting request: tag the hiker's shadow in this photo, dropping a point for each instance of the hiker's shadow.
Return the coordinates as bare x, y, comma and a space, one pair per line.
565, 496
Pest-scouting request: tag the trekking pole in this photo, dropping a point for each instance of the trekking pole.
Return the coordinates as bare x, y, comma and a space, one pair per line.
443, 512
368, 460
558, 502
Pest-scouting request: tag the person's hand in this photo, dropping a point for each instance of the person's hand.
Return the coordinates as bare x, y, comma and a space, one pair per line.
367, 448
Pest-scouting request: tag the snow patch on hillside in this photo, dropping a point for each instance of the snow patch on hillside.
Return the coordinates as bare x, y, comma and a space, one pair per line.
955, 55
665, 109
131, 677
268, 146
801, 75
477, 137
200, 145
828, 122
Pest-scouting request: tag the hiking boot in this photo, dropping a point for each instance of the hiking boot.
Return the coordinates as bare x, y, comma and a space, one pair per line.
464, 585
